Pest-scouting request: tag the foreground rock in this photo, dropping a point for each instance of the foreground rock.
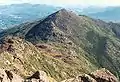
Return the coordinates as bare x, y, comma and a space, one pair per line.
39, 76
8, 76
102, 75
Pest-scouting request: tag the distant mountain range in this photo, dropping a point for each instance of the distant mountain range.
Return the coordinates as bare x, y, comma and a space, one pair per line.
109, 14
18, 13
104, 13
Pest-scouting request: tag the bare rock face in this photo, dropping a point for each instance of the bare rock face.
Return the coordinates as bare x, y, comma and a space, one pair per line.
3, 76
39, 76
102, 75
8, 76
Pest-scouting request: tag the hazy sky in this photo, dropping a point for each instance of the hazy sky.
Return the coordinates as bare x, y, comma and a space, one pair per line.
66, 2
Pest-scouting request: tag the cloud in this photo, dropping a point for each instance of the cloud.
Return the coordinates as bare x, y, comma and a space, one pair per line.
66, 2
9, 1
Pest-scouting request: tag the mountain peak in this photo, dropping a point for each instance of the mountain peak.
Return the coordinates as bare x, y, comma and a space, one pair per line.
62, 13
63, 10
54, 27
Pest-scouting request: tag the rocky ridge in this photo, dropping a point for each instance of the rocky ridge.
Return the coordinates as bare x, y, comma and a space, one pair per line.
102, 75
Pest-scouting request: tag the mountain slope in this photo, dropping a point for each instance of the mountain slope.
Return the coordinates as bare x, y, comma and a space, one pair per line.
24, 58
75, 43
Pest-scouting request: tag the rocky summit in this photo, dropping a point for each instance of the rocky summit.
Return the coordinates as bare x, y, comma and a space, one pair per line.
63, 45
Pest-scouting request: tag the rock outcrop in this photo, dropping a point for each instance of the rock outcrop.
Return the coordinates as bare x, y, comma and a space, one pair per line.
102, 75
39, 76
8, 76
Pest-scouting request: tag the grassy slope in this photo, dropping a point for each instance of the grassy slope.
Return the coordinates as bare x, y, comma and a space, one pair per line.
29, 59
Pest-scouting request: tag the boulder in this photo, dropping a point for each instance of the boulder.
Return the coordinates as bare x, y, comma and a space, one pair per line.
39, 76
8, 76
